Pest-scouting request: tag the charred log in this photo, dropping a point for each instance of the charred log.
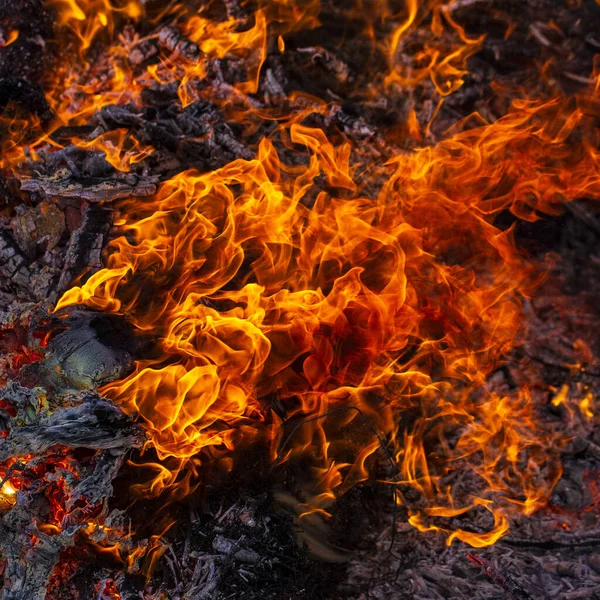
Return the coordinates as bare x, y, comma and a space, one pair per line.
85, 246
90, 190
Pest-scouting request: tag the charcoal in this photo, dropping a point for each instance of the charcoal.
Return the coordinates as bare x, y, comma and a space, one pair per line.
29, 54
196, 118
159, 96
6, 194
86, 245
64, 134
80, 163
13, 264
113, 117
105, 190
143, 52
33, 266
94, 349
273, 85
23, 279
329, 61
354, 126
27, 95
94, 424
38, 229
224, 137
163, 134
236, 10
173, 40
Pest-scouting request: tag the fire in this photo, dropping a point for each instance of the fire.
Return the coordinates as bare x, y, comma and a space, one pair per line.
443, 63
107, 590
333, 282
120, 149
384, 301
90, 18
7, 494
13, 36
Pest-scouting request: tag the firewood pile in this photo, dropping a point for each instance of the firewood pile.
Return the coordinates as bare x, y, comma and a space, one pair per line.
299, 299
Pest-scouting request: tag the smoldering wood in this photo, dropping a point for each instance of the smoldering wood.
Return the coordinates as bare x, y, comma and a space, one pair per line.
173, 40
83, 420
503, 579
127, 186
93, 349
28, 568
85, 246
94, 424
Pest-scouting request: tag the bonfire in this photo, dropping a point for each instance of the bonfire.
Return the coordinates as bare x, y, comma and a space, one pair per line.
299, 299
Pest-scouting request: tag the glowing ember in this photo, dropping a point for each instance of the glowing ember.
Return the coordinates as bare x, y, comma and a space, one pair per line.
107, 590
8, 494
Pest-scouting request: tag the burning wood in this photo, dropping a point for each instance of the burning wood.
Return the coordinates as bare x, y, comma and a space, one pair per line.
507, 582
171, 39
260, 261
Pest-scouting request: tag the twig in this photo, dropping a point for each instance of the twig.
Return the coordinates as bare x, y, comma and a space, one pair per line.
457, 4
507, 583
539, 36
563, 539
580, 78
585, 593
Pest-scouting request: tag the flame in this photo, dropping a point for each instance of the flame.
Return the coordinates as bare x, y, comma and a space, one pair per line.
120, 148
440, 61
87, 19
13, 36
580, 398
268, 285
585, 405
8, 494
345, 290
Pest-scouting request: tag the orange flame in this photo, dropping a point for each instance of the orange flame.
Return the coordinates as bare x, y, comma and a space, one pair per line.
13, 36
331, 282
442, 62
380, 301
